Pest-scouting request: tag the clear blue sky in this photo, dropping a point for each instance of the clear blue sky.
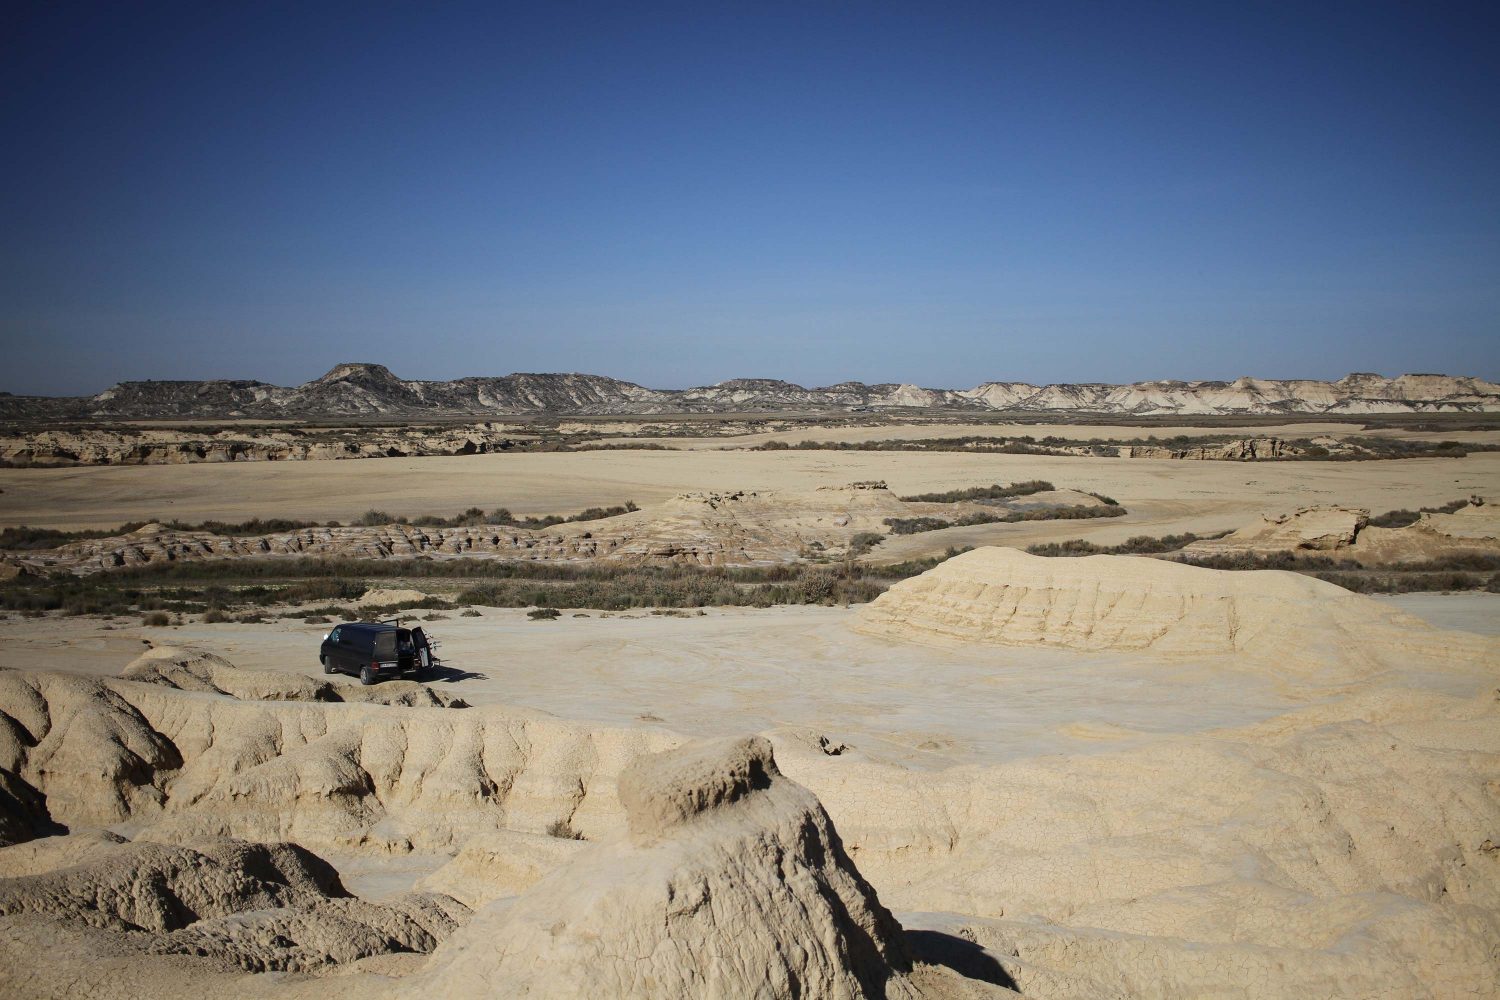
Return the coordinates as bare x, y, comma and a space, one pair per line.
678, 194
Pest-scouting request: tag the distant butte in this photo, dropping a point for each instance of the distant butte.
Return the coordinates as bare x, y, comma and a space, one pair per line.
361, 389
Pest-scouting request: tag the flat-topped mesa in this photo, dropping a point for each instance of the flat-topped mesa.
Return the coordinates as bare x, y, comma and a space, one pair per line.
1286, 620
363, 388
730, 883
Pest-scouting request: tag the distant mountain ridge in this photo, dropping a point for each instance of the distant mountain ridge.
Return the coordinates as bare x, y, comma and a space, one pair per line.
360, 389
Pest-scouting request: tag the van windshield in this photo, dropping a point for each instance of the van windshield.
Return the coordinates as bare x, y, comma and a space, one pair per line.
385, 644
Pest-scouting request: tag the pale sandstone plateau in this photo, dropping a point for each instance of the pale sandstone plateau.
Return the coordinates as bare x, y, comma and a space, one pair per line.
1105, 776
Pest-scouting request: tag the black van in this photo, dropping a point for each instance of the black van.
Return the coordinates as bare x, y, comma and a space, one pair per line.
375, 650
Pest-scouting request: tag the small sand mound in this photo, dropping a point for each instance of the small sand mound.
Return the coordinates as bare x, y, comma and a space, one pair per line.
1098, 603
384, 597
731, 882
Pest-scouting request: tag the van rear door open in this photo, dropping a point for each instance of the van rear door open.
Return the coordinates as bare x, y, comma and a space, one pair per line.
424, 650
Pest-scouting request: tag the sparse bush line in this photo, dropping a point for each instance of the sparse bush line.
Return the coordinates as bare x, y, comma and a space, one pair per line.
994, 492
914, 525
26, 538
1134, 546
1363, 448
206, 586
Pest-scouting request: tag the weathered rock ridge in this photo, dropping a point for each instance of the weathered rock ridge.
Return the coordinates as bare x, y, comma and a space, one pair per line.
371, 389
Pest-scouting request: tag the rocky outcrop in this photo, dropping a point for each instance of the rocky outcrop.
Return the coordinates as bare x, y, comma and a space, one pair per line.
1321, 528
1244, 450
258, 907
729, 882
369, 389
157, 887
182, 764
1345, 533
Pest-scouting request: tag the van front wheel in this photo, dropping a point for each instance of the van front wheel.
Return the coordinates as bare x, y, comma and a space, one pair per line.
366, 675
327, 667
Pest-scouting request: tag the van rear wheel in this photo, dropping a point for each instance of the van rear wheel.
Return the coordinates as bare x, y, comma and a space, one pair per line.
366, 675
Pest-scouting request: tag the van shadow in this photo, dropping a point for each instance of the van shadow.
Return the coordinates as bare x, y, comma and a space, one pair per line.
959, 954
444, 674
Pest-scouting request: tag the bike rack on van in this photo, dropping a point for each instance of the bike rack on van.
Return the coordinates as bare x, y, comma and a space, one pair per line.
433, 642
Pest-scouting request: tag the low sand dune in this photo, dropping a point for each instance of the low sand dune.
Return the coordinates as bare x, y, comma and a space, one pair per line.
1290, 621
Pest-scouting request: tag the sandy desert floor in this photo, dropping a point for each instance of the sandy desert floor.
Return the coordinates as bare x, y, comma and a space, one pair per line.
738, 670
1161, 496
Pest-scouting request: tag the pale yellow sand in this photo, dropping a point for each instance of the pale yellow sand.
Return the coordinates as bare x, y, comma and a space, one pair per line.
1161, 495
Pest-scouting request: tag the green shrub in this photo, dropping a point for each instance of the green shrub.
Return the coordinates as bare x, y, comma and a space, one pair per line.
994, 492
1136, 545
914, 525
543, 614
1403, 517
156, 619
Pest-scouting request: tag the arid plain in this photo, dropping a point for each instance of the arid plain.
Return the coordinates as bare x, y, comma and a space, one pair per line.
995, 773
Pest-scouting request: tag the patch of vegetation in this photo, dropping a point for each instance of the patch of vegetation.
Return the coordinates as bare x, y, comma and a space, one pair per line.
1460, 571
543, 614
500, 517
863, 542
27, 538
563, 830
915, 525
197, 587
994, 492
1353, 449
1138, 545
1402, 517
